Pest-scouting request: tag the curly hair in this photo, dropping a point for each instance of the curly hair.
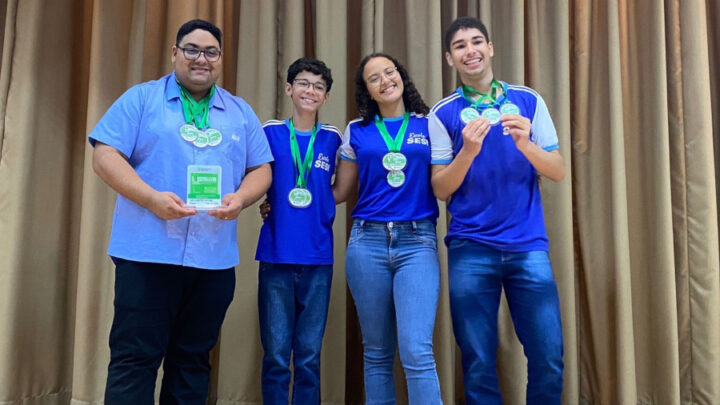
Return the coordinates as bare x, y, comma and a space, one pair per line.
314, 66
368, 108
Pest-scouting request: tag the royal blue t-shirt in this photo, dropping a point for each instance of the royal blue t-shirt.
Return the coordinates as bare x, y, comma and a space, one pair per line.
377, 200
498, 204
300, 235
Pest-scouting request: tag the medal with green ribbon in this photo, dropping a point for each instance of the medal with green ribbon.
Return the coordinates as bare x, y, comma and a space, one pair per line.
300, 196
394, 161
485, 102
196, 120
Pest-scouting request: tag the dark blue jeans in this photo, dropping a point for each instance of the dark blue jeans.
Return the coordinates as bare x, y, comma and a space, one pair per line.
394, 276
477, 275
293, 304
165, 312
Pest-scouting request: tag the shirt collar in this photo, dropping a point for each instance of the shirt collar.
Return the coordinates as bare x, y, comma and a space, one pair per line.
172, 91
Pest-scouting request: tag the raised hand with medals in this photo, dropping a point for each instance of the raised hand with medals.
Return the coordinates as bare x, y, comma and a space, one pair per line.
300, 196
487, 103
394, 161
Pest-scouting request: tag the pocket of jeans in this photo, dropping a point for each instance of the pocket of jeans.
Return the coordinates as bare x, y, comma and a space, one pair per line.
356, 233
425, 237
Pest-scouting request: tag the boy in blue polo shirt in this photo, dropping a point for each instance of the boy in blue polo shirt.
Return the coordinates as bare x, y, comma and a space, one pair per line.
295, 249
490, 142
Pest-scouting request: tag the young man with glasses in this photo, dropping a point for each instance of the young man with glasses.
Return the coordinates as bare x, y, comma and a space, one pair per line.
490, 142
185, 157
295, 248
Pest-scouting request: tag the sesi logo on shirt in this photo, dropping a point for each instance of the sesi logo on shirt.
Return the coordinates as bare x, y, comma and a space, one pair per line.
323, 162
418, 139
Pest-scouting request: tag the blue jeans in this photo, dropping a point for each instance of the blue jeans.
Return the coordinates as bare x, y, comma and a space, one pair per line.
477, 275
394, 277
293, 304
164, 312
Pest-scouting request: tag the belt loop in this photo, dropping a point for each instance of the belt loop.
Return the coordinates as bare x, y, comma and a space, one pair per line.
414, 226
361, 223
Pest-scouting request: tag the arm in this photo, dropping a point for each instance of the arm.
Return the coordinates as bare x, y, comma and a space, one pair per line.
113, 168
446, 179
548, 163
345, 180
254, 185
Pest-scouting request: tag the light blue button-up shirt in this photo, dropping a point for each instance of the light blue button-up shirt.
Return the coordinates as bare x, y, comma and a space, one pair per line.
144, 124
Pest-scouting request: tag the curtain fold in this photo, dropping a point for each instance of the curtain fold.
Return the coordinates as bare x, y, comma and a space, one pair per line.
632, 89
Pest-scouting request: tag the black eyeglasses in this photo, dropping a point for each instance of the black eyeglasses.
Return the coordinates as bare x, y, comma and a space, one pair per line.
211, 54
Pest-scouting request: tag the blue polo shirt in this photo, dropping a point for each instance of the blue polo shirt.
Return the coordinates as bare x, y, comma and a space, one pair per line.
377, 200
300, 235
144, 124
498, 203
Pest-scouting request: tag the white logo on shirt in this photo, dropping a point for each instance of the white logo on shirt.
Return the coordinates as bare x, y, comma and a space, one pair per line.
323, 162
236, 138
419, 139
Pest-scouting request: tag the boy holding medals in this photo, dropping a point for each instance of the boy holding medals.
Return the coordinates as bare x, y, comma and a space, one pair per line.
490, 142
295, 248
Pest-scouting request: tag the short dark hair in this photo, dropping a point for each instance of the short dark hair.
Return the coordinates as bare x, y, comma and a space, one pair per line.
463, 23
197, 24
368, 108
314, 66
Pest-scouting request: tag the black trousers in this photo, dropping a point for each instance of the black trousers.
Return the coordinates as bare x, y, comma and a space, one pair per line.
165, 312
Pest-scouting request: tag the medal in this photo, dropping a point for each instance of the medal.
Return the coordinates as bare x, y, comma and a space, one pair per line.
394, 161
188, 132
509, 108
214, 137
300, 197
196, 115
491, 114
395, 178
468, 114
202, 140
486, 101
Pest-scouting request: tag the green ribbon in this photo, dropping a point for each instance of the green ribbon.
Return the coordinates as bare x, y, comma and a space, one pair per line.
303, 166
485, 98
196, 112
393, 145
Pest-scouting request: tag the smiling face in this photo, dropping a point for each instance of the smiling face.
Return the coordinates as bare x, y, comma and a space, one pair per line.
196, 75
308, 91
383, 81
470, 53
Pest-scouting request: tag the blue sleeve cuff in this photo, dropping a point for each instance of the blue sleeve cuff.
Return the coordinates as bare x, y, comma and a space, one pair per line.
343, 157
441, 162
551, 148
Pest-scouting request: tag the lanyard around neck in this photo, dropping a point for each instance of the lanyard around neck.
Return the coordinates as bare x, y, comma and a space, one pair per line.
196, 112
393, 145
303, 167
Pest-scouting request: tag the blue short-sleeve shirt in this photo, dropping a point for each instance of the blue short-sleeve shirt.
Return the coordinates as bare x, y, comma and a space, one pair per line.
377, 200
143, 124
498, 203
300, 235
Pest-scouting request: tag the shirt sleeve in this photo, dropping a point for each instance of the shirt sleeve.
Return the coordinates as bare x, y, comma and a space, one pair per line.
542, 131
346, 150
258, 149
119, 127
441, 146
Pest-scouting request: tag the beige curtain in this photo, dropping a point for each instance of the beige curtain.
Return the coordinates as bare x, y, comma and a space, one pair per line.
632, 87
